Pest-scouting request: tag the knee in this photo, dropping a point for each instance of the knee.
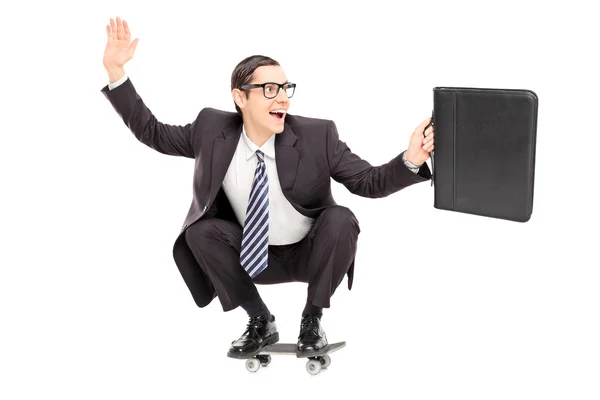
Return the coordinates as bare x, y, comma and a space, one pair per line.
206, 231
340, 217
199, 231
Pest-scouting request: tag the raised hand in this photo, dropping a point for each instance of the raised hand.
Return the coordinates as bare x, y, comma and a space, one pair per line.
119, 48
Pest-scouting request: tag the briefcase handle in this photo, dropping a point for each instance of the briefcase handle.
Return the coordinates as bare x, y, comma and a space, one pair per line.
431, 122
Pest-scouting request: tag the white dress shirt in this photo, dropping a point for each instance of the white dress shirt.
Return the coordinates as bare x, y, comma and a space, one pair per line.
286, 224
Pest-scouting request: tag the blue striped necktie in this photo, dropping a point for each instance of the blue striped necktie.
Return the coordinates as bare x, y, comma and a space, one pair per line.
255, 238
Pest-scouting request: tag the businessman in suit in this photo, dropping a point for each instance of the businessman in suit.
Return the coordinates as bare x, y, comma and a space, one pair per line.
262, 210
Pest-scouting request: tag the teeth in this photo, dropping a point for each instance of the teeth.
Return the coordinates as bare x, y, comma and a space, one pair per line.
278, 111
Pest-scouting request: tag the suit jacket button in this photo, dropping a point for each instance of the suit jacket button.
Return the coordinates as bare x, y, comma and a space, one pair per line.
185, 226
205, 208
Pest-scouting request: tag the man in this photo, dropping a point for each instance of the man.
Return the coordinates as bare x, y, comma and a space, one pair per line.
262, 210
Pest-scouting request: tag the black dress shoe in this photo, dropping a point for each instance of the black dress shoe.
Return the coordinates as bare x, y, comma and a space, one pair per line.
312, 337
259, 333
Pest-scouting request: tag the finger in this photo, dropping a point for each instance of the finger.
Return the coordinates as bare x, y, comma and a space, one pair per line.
428, 139
423, 124
127, 31
133, 47
113, 29
429, 131
108, 35
120, 33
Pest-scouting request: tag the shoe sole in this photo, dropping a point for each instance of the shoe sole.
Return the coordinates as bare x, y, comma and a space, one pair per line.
274, 338
304, 354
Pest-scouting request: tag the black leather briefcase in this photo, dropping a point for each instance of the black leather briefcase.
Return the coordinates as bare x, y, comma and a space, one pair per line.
484, 157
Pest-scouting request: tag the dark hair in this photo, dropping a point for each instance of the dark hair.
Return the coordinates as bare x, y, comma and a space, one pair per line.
242, 74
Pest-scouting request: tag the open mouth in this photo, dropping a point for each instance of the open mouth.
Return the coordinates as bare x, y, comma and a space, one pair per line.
277, 114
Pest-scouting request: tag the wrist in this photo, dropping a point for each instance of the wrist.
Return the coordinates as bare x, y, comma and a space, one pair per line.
410, 162
115, 73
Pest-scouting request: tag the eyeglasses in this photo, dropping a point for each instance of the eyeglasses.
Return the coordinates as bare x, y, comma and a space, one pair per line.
271, 89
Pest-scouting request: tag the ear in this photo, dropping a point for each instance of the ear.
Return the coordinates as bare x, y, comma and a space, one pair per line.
239, 98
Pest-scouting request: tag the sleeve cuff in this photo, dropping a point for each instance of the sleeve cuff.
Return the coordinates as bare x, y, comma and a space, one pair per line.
111, 86
414, 168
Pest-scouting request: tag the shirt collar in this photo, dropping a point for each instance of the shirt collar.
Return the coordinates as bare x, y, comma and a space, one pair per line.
268, 147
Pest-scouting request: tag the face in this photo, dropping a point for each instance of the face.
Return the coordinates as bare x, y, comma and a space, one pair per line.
258, 111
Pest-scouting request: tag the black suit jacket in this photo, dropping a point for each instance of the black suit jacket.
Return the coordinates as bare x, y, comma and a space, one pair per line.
308, 152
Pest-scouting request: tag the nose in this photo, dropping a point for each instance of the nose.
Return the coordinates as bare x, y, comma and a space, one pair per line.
282, 96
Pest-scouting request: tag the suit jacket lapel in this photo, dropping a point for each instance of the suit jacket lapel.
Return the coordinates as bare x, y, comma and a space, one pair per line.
286, 155
223, 151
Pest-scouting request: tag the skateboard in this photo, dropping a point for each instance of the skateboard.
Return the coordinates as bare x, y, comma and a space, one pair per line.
316, 360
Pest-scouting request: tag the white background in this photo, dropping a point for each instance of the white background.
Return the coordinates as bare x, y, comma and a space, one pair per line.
444, 305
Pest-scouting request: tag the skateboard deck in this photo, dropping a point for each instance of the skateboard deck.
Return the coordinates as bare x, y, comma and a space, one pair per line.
316, 360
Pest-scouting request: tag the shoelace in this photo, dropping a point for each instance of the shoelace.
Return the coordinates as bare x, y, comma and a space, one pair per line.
254, 324
310, 326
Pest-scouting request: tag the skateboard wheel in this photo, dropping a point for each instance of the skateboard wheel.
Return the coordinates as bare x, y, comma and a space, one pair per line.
313, 367
252, 364
264, 359
325, 361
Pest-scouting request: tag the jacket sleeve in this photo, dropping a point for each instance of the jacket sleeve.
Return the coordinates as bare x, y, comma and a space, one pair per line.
174, 140
363, 179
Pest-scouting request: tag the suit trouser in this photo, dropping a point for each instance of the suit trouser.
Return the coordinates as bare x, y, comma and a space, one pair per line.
321, 259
